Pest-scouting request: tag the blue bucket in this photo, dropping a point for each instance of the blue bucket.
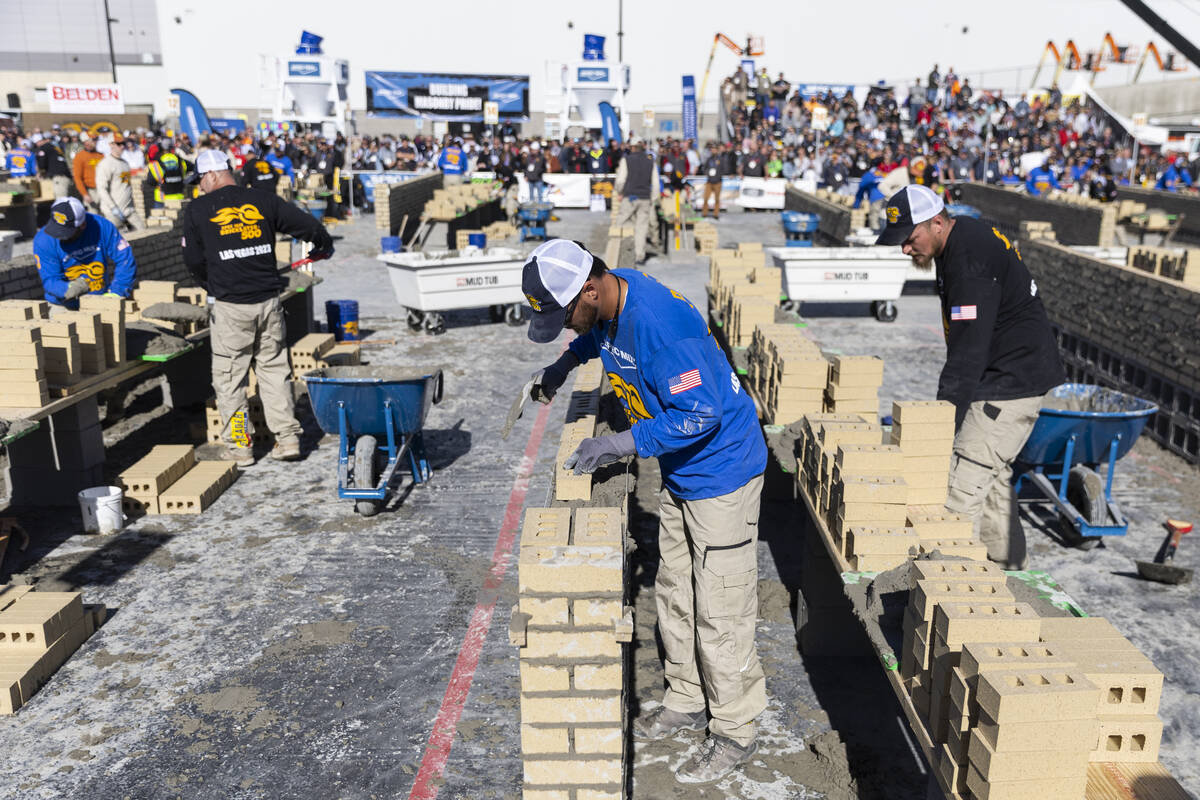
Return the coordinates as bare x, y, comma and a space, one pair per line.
391, 244
342, 317
593, 47
477, 240
319, 213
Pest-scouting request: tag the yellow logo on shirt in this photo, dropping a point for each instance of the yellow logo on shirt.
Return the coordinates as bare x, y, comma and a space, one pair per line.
893, 214
631, 399
93, 270
239, 220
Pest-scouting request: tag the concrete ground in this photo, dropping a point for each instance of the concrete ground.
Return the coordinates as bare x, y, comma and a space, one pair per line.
281, 646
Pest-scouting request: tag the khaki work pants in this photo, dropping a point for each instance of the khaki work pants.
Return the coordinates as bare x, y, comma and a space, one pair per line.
712, 190
706, 595
992, 434
639, 212
64, 187
245, 334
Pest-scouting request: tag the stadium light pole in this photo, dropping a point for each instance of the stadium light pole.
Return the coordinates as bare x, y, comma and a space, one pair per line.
620, 31
112, 56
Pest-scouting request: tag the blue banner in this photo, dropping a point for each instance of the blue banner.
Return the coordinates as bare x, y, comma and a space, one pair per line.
610, 126
689, 108
304, 69
810, 90
591, 75
193, 119
446, 96
228, 126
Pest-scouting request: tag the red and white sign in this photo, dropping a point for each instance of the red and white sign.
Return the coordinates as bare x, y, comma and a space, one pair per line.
85, 98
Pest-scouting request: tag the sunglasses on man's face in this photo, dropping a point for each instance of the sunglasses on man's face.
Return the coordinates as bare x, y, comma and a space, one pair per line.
571, 310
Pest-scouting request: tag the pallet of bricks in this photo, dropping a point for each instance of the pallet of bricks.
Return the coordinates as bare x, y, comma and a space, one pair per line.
454, 201
45, 357
319, 350
169, 480
571, 623
1174, 263
499, 231
858, 216
786, 372
395, 201
1033, 229
705, 234
746, 291
1018, 705
39, 631
148, 293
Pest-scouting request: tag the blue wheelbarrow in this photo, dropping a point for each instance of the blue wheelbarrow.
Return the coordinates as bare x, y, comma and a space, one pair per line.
799, 228
364, 405
532, 219
1080, 427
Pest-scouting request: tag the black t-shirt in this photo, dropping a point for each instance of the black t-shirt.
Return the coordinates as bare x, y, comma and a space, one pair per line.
258, 174
753, 165
999, 345
229, 241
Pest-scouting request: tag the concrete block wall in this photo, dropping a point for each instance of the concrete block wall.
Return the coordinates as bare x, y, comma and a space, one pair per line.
394, 200
158, 253
1172, 203
834, 226
580, 424
1074, 224
1127, 329
569, 625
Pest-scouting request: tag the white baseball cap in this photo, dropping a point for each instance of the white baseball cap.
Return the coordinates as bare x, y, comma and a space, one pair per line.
211, 161
551, 280
907, 209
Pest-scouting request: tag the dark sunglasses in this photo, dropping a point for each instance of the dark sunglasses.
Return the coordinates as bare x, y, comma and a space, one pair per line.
570, 309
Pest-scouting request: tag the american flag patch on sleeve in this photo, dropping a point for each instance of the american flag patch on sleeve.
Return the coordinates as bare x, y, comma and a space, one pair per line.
681, 383
962, 313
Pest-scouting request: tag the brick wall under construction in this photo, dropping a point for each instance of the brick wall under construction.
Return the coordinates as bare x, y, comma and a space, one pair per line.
1074, 224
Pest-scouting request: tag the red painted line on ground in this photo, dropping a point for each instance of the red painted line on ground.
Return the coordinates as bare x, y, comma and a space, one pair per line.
445, 726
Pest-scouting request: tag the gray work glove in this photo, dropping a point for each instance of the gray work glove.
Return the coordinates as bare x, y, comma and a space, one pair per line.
546, 382
598, 451
78, 287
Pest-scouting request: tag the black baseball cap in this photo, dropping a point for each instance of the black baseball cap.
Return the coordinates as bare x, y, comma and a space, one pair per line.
907, 209
67, 216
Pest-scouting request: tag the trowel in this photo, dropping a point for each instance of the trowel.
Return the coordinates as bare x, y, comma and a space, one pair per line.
1161, 569
518, 407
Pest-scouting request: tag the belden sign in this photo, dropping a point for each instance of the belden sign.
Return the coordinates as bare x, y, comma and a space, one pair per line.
85, 98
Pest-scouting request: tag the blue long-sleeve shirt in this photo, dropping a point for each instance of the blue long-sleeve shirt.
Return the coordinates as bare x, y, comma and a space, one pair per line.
684, 400
61, 262
1172, 176
1040, 181
452, 160
868, 186
283, 164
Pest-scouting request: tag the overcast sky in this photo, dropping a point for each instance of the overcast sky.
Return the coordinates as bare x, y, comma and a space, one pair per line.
215, 52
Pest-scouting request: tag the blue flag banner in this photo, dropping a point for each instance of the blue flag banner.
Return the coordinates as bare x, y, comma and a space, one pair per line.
193, 119
610, 126
689, 108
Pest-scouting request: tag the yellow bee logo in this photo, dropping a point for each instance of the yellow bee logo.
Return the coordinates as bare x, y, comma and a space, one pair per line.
94, 271
893, 214
60, 218
533, 303
248, 214
635, 407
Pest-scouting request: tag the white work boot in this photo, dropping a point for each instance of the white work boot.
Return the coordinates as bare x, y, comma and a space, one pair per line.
718, 757
242, 455
663, 722
286, 450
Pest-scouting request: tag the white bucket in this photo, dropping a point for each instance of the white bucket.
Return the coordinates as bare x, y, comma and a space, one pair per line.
101, 508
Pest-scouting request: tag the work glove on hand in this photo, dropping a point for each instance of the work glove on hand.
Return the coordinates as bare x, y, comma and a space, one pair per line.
546, 382
78, 287
596, 452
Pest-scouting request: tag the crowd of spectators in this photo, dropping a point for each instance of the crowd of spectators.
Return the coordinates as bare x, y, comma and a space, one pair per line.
943, 131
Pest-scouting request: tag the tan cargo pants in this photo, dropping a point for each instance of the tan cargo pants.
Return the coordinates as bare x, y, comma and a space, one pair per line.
706, 595
244, 334
132, 218
639, 212
992, 434
712, 191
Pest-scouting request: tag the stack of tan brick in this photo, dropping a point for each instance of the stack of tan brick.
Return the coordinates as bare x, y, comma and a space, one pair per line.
90, 330
705, 234
111, 311
924, 432
570, 623
199, 488
853, 386
786, 373
153, 474
60, 347
580, 424
38, 632
872, 473
308, 351
23, 370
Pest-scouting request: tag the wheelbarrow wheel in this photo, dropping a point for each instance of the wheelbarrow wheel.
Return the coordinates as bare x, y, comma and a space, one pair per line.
884, 310
435, 324
415, 319
514, 314
1085, 491
365, 473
